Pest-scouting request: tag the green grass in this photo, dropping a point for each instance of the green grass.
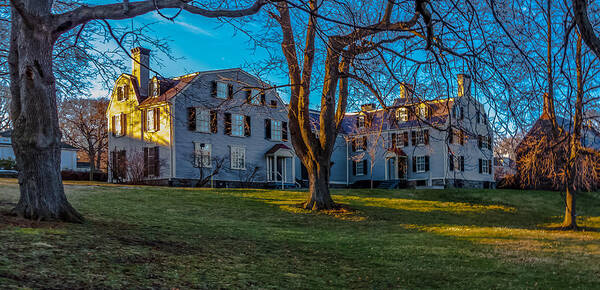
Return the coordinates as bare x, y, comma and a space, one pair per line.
158, 237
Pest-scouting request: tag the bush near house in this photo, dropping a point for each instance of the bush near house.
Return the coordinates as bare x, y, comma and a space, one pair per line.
160, 237
83, 175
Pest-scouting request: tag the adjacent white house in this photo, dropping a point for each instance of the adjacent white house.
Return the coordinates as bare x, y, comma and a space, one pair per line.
68, 157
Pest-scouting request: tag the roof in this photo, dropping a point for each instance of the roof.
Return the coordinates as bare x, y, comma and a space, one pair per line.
387, 117
169, 88
277, 147
8, 134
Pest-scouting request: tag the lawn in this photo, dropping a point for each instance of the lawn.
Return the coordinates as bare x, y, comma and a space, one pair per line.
160, 237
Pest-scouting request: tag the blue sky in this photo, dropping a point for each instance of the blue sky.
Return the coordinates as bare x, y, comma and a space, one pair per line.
197, 42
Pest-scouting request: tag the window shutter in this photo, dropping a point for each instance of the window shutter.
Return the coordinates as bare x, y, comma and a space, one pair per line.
490, 166
230, 91
113, 124
123, 124
451, 136
143, 121
353, 145
146, 161
462, 137
393, 144
267, 128
480, 166
414, 163
214, 89
429, 112
227, 123
263, 99
451, 162
125, 92
191, 118
405, 138
156, 162
489, 143
157, 119
354, 168
426, 163
284, 131
478, 118
249, 96
364, 146
479, 142
247, 126
365, 168
426, 136
413, 138
462, 163
213, 122
462, 115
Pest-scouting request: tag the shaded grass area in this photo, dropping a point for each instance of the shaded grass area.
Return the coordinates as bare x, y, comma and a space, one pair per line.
158, 237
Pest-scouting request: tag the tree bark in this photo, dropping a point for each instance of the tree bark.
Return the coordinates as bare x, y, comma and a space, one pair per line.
570, 221
92, 165
36, 138
318, 185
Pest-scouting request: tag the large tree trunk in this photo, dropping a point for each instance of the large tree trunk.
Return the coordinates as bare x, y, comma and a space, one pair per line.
36, 138
92, 166
318, 185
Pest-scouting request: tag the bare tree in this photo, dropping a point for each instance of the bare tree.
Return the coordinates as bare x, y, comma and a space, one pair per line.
208, 167
35, 29
84, 126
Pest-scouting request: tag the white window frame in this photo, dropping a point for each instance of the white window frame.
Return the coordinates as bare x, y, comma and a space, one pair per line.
359, 144
237, 125
485, 142
222, 90
485, 166
420, 138
121, 91
202, 154
150, 122
456, 162
400, 140
402, 114
202, 120
420, 160
118, 129
276, 130
360, 170
422, 111
238, 157
255, 97
361, 121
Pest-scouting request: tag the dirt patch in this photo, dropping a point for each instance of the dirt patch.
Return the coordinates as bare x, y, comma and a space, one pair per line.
6, 220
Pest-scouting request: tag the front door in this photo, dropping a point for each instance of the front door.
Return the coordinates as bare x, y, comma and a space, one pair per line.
391, 169
279, 168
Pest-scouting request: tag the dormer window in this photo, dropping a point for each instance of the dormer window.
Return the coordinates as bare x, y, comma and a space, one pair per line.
122, 93
402, 114
222, 90
422, 111
154, 88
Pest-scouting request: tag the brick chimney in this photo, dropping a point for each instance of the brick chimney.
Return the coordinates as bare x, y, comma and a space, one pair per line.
464, 85
367, 107
141, 68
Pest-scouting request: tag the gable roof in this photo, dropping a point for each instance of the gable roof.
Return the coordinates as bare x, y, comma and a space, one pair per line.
169, 88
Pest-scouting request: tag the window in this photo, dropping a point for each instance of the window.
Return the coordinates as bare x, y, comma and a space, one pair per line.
361, 121
458, 112
485, 142
237, 125
456, 163
422, 111
402, 114
400, 140
420, 137
360, 143
122, 93
276, 132
360, 167
222, 90
420, 163
202, 154
238, 157
273, 104
202, 120
485, 166
151, 161
150, 120
117, 125
255, 97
